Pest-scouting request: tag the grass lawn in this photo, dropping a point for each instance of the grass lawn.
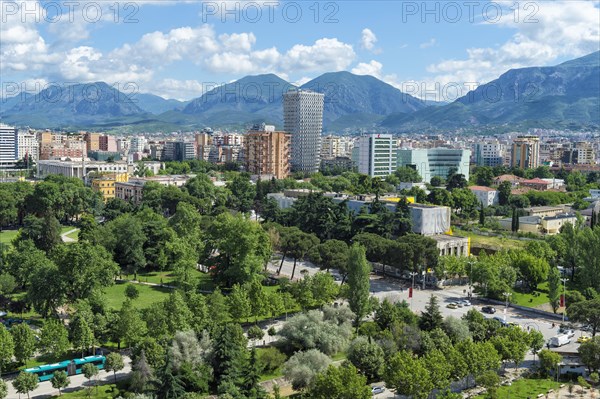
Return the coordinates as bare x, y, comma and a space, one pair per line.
166, 277
531, 299
115, 295
524, 388
494, 243
74, 235
101, 392
6, 236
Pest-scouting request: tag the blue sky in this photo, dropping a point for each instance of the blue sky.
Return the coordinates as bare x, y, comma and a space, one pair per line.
177, 48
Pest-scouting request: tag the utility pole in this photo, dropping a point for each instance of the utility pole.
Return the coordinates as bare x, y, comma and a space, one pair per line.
412, 290
506, 294
564, 299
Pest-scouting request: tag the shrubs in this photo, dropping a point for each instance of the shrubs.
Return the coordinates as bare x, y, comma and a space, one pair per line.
270, 359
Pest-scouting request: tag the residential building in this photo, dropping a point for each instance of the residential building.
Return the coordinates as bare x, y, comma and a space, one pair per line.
485, 195
27, 145
137, 144
430, 162
536, 184
490, 153
179, 151
333, 146
526, 152
544, 211
514, 180
105, 184
377, 155
8, 146
59, 146
303, 119
108, 143
92, 141
268, 152
582, 153
204, 144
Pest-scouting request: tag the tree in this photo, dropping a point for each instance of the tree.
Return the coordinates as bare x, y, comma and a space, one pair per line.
536, 341
549, 361
456, 181
243, 248
479, 357
251, 378
431, 318
312, 330
358, 282
340, 383
436, 181
255, 333
484, 176
490, 381
367, 357
6, 348
82, 335
589, 352
142, 374
406, 174
239, 303
169, 384
130, 327
90, 371
132, 292
456, 329
242, 193
302, 367
333, 254
439, 368
114, 362
481, 215
3, 389
54, 339
587, 313
24, 342
554, 288
270, 359
533, 270
59, 381
229, 352
25, 383
124, 237
298, 244
408, 376
504, 192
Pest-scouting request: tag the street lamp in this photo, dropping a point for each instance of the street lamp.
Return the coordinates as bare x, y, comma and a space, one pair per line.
564, 301
506, 294
412, 290
470, 279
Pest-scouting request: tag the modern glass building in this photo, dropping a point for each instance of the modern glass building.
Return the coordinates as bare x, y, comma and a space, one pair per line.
8, 146
430, 162
377, 155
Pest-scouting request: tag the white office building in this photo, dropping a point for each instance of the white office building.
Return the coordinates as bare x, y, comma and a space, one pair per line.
430, 162
303, 119
137, 144
8, 146
377, 155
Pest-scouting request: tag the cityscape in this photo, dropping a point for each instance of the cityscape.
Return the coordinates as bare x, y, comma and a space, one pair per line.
301, 224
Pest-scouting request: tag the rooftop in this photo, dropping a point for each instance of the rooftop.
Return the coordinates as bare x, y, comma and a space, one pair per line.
481, 188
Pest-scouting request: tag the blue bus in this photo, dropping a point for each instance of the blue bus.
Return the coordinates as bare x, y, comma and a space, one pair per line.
71, 367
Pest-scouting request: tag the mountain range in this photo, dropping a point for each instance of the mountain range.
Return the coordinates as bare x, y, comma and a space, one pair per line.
565, 95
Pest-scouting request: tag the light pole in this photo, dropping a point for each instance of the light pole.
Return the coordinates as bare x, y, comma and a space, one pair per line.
564, 301
470, 279
506, 294
412, 290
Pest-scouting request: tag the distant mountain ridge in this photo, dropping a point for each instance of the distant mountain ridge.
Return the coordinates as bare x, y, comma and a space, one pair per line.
567, 94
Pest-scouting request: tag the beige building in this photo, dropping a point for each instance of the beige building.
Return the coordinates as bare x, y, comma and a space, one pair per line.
92, 141
268, 152
525, 152
133, 189
105, 184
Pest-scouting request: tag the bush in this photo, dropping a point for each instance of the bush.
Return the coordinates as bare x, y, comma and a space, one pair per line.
255, 332
270, 359
132, 292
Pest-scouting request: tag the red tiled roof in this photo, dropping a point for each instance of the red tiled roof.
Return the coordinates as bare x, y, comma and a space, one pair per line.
481, 188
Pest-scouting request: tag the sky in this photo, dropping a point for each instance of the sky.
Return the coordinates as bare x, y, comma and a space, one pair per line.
179, 48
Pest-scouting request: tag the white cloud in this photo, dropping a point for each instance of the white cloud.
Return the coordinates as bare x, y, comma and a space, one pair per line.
429, 43
324, 55
563, 29
177, 89
368, 39
373, 68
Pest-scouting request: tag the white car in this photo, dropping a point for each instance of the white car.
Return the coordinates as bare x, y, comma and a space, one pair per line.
465, 302
377, 390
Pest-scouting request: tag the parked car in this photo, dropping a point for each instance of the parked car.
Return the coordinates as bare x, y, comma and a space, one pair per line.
377, 390
465, 302
583, 339
488, 309
452, 305
560, 340
568, 333
501, 321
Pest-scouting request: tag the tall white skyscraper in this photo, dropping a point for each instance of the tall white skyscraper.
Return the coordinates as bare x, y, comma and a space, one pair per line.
27, 145
303, 119
8, 146
377, 155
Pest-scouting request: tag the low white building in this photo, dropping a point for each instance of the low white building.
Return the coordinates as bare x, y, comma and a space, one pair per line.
485, 195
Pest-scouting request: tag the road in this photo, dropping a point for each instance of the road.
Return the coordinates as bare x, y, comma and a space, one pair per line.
45, 390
